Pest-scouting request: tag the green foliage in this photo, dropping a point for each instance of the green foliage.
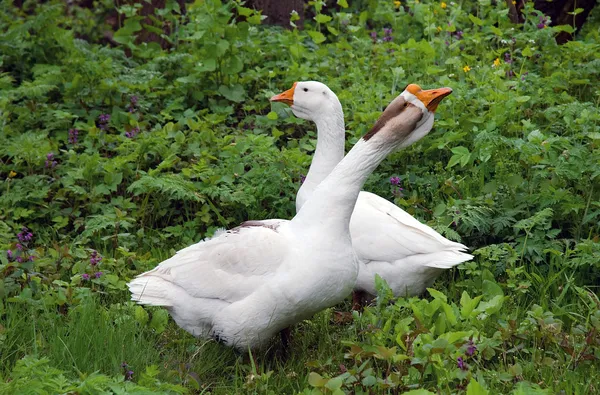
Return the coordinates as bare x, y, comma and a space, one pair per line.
125, 149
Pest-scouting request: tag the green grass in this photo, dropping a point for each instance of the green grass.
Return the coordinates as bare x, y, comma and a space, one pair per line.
510, 170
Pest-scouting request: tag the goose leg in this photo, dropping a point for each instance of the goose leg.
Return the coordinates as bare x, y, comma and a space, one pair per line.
358, 300
286, 337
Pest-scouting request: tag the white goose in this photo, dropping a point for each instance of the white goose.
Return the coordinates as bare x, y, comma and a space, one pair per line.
244, 285
388, 241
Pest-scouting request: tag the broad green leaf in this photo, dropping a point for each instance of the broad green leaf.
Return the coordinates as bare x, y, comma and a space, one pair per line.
449, 312
461, 155
159, 320
233, 65
334, 383
342, 3
474, 388
468, 304
369, 381
316, 380
491, 289
322, 18
141, 315
316, 36
475, 20
437, 294
235, 93
522, 99
563, 28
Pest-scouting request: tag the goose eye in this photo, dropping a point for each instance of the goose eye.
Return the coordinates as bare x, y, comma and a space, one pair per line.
305, 89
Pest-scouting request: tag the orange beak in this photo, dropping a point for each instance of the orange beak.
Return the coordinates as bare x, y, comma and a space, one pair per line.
286, 97
432, 97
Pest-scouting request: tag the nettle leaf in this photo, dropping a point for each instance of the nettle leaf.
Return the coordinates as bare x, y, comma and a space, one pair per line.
316, 36
322, 18
474, 388
461, 155
126, 34
236, 93
159, 321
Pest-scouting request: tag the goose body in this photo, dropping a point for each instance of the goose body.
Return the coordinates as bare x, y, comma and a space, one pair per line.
246, 284
388, 241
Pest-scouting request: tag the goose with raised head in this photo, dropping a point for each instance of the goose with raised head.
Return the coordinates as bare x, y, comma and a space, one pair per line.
244, 285
388, 241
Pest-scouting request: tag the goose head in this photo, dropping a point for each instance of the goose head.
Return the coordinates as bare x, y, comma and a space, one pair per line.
310, 100
409, 117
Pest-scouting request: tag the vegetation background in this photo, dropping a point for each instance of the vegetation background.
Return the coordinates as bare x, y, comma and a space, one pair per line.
127, 135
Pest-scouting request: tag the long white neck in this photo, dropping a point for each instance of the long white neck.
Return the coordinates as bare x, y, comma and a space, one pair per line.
332, 202
329, 152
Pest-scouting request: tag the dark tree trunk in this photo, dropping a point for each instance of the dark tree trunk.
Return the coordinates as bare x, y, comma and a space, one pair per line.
278, 11
558, 11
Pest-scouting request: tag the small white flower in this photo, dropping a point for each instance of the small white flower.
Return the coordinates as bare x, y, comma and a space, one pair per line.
504, 42
532, 41
451, 75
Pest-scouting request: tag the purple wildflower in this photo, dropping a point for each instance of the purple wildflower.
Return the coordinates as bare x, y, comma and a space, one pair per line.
9, 254
124, 364
129, 375
85, 276
461, 364
471, 348
98, 274
387, 32
103, 120
523, 76
543, 22
19, 246
19, 259
50, 162
302, 179
95, 258
132, 133
507, 58
395, 180
373, 35
73, 135
24, 235
458, 35
510, 73
133, 100
31, 258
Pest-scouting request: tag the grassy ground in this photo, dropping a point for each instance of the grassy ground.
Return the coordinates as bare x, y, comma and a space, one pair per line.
114, 156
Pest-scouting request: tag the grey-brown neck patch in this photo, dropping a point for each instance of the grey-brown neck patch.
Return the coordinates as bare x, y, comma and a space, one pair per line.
392, 111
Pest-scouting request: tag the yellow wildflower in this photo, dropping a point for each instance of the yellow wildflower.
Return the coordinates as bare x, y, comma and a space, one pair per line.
444, 5
12, 174
466, 69
397, 4
496, 62
439, 28
514, 2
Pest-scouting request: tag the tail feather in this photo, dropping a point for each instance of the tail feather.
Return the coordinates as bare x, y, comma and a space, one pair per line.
447, 259
151, 290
